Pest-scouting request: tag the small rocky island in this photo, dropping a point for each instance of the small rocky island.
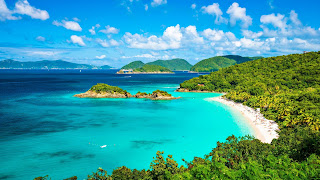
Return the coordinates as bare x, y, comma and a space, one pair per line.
102, 90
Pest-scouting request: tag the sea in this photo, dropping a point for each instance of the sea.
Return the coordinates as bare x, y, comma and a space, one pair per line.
44, 130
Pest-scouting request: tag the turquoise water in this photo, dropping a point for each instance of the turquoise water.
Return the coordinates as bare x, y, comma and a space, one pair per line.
45, 130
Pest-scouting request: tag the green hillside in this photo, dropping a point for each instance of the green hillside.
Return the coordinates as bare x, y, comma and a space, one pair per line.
106, 67
152, 68
45, 64
173, 64
215, 63
133, 65
287, 88
212, 64
240, 59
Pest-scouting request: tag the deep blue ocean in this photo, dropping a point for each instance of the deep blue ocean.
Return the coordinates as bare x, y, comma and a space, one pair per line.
44, 130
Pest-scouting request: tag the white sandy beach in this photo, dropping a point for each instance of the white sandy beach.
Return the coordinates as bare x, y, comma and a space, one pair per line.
265, 130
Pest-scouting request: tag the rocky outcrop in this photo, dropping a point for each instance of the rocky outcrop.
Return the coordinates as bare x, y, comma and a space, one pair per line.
93, 94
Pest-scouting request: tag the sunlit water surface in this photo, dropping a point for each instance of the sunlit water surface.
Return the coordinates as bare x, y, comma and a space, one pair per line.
45, 130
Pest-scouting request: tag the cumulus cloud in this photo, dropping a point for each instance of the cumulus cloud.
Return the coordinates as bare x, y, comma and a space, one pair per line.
251, 35
237, 13
105, 43
77, 40
23, 7
214, 10
110, 30
193, 6
40, 38
171, 39
294, 18
101, 57
191, 35
155, 3
146, 7
5, 13
277, 21
71, 25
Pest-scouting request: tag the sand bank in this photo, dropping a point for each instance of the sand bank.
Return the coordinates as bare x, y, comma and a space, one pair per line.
264, 129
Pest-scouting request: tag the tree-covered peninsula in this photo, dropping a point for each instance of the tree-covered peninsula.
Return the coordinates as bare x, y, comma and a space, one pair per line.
133, 65
102, 90
287, 89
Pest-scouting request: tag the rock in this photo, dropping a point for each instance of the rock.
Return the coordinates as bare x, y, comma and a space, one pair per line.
93, 94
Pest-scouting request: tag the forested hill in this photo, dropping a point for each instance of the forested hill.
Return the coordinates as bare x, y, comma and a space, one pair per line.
133, 65
45, 64
287, 88
173, 64
218, 62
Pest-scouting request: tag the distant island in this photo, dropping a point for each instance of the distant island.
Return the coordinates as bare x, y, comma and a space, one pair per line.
218, 62
102, 90
170, 65
45, 64
146, 69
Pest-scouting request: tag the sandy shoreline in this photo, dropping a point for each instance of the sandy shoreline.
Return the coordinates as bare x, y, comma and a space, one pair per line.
264, 129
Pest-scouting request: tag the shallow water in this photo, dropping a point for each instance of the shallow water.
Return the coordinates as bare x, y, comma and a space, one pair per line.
45, 130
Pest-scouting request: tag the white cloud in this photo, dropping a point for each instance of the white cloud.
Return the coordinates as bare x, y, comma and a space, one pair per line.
294, 18
239, 14
110, 30
193, 6
191, 35
171, 39
76, 19
218, 35
92, 31
251, 35
77, 40
277, 21
214, 10
146, 7
23, 7
40, 38
101, 57
5, 13
155, 3
71, 25
43, 53
105, 43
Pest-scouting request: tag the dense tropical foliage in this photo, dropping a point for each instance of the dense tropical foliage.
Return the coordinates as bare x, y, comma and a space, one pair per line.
152, 68
287, 89
218, 62
173, 64
133, 65
101, 87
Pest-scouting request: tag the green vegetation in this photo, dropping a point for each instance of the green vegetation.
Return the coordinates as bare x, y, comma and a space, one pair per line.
218, 62
45, 64
152, 68
133, 65
101, 87
212, 64
287, 89
163, 93
173, 64
106, 67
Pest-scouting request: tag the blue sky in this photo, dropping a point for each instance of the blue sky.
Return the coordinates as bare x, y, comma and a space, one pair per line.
115, 32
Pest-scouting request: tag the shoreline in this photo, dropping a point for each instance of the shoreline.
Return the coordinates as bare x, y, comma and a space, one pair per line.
264, 129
